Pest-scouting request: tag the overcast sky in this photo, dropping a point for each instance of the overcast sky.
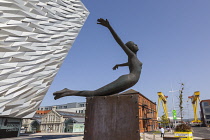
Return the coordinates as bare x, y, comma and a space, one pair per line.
174, 45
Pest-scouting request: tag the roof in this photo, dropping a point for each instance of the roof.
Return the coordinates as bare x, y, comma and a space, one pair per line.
69, 114
131, 91
37, 117
42, 111
79, 120
207, 100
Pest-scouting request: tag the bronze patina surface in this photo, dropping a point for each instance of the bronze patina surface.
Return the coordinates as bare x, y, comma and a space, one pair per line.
123, 82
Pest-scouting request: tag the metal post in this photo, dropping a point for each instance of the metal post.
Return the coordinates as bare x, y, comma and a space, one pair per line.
174, 109
172, 91
144, 138
153, 136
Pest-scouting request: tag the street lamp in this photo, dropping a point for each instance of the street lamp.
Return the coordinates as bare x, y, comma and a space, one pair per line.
172, 91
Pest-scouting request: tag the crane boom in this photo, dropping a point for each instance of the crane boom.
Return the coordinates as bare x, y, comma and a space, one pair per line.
163, 99
195, 99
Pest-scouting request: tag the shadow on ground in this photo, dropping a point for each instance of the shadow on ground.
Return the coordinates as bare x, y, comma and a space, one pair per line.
47, 137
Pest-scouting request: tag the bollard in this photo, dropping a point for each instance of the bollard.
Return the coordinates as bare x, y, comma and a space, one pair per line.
141, 137
153, 136
144, 137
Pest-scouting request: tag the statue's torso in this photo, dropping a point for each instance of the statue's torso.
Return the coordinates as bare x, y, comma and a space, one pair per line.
135, 65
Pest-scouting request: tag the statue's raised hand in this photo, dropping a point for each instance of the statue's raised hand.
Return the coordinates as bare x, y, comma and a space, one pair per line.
103, 22
115, 67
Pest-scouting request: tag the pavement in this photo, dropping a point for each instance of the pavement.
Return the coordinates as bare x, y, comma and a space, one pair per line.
79, 136
152, 136
201, 132
49, 136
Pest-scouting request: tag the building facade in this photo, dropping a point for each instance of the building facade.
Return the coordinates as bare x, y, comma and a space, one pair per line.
36, 36
60, 122
77, 107
205, 112
147, 112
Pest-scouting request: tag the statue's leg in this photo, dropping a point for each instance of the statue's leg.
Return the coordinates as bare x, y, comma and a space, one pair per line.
122, 83
67, 92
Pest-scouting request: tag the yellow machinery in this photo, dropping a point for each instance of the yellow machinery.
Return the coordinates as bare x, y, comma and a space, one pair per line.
195, 99
162, 98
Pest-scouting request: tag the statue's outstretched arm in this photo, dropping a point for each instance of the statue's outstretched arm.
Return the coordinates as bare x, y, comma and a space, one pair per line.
116, 37
116, 66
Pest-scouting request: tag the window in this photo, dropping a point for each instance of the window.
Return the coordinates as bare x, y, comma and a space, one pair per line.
46, 108
205, 104
65, 107
207, 110
82, 105
207, 116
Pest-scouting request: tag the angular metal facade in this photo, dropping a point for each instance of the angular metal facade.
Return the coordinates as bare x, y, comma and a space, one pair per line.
35, 37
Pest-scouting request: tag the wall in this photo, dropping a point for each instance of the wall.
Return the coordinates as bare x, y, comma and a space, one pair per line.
147, 113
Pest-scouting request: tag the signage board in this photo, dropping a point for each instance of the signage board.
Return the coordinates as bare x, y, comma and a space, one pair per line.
174, 114
78, 127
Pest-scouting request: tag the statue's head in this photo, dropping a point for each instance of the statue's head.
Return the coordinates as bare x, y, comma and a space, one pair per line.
132, 46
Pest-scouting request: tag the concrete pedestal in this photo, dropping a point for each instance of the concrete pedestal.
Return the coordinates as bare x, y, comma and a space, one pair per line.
112, 118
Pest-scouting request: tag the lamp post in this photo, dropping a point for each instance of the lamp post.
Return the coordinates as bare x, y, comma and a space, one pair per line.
172, 91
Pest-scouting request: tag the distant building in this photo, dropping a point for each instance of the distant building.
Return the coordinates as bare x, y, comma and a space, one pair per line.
205, 112
32, 125
57, 118
77, 107
60, 122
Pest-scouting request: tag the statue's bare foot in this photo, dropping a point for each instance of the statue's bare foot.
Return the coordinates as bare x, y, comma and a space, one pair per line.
60, 94
63, 93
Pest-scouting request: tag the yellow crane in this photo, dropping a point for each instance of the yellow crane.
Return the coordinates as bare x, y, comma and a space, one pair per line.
195, 100
163, 99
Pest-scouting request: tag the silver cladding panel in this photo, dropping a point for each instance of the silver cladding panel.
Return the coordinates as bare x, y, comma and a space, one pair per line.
35, 37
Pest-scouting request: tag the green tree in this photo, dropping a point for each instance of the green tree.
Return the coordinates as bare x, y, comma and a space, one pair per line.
181, 100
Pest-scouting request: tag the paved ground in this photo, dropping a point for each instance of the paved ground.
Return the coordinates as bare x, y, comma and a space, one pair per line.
49, 136
199, 134
151, 136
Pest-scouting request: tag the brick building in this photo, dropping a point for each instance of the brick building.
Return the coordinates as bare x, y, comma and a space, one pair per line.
147, 112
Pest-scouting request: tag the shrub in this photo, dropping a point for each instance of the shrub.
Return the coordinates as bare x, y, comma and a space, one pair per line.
183, 128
